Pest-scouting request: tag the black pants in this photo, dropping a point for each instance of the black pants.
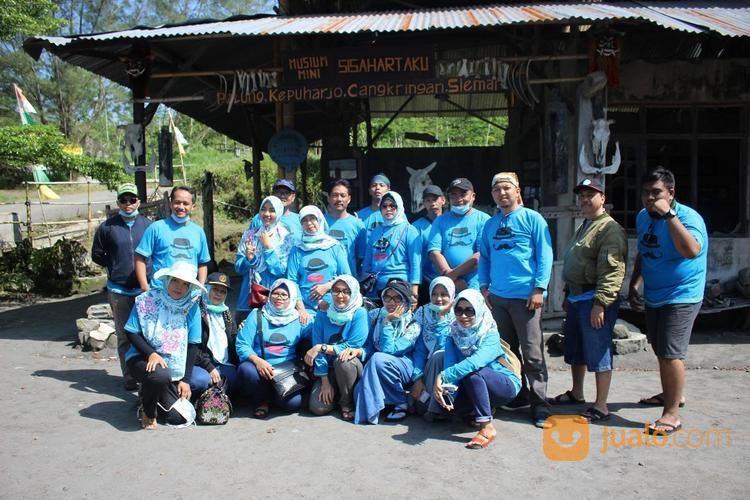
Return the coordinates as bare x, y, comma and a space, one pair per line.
157, 389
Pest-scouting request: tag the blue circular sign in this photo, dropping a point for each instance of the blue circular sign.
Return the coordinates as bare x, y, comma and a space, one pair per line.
288, 148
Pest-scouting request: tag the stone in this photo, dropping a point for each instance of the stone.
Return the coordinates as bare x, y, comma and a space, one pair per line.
634, 343
112, 341
99, 311
623, 329
95, 344
87, 325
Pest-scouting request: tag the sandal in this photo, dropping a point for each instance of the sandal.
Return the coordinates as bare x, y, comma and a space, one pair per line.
262, 411
480, 441
670, 429
148, 423
347, 414
397, 414
656, 400
593, 415
566, 398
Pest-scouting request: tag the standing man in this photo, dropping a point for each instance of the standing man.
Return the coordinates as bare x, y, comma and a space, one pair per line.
671, 263
593, 271
433, 201
114, 248
370, 215
284, 190
173, 238
454, 238
515, 264
346, 228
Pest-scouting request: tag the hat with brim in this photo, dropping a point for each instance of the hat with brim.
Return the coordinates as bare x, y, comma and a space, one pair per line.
284, 183
461, 183
181, 270
127, 188
588, 184
509, 177
218, 278
432, 190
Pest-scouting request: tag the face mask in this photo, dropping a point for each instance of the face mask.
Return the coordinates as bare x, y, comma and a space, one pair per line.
461, 209
128, 216
180, 220
338, 318
434, 307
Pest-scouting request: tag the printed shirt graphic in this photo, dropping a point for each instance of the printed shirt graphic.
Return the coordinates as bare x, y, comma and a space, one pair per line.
668, 277
457, 238
350, 232
316, 267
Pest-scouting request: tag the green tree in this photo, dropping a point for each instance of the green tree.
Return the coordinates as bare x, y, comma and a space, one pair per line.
27, 17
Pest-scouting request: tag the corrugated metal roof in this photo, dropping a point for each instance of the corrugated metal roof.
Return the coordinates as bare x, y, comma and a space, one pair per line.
726, 18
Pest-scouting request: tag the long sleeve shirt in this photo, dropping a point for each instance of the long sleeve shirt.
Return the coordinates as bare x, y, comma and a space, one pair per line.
279, 341
338, 337
394, 338
393, 256
456, 365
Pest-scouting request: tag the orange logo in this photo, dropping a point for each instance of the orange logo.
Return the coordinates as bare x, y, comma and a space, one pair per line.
566, 438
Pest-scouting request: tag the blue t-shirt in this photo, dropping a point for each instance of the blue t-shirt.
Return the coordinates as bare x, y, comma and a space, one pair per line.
350, 232
166, 241
668, 277
429, 272
365, 212
372, 222
457, 238
316, 267
289, 219
392, 255
279, 341
515, 254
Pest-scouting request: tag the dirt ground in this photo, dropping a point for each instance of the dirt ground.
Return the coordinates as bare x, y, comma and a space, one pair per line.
70, 431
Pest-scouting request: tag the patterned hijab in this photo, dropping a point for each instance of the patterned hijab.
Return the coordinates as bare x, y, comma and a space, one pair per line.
432, 323
399, 326
289, 313
278, 233
467, 339
341, 316
320, 239
400, 216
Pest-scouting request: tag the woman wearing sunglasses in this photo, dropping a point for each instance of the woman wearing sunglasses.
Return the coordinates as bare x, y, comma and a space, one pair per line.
470, 366
343, 326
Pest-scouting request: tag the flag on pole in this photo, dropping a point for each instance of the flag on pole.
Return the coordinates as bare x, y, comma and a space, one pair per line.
178, 137
25, 109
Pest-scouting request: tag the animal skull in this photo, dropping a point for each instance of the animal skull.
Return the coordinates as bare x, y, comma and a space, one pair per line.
418, 180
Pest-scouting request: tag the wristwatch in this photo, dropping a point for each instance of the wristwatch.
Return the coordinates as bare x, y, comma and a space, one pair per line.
324, 348
670, 214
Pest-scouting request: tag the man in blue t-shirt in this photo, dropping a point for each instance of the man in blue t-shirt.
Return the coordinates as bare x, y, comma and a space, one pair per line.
284, 190
346, 228
173, 239
370, 215
454, 238
671, 263
433, 202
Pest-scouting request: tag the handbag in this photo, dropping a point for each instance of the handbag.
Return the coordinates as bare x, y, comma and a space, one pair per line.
369, 281
258, 295
213, 406
289, 377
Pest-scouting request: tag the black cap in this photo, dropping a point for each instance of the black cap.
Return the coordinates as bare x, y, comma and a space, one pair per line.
588, 184
401, 287
461, 183
218, 278
432, 190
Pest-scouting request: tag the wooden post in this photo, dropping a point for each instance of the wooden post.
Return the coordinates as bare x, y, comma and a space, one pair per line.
28, 216
208, 216
88, 212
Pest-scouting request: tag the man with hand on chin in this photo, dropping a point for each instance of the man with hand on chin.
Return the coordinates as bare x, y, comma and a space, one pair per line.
671, 263
515, 265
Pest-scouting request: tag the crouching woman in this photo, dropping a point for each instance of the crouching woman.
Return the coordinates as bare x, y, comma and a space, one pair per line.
164, 329
471, 366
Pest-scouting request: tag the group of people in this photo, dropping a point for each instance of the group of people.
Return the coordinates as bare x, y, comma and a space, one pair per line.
390, 317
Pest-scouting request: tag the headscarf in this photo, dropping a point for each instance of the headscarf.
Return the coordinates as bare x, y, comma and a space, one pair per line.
341, 316
399, 326
319, 240
278, 233
467, 339
432, 322
400, 216
284, 316
217, 343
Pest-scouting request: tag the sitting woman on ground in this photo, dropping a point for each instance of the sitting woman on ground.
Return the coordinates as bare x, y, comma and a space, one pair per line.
164, 330
262, 253
387, 374
315, 260
472, 365
393, 250
216, 359
342, 326
436, 318
278, 324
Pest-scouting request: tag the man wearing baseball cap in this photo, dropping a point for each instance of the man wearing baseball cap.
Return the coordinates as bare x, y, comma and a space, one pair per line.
370, 215
593, 271
284, 190
515, 265
454, 239
113, 248
433, 201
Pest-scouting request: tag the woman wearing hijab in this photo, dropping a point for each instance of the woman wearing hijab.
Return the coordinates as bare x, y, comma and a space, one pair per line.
316, 260
393, 250
342, 326
436, 318
471, 366
387, 373
216, 358
262, 253
164, 330
281, 331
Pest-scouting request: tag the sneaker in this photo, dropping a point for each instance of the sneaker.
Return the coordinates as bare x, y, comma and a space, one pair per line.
520, 403
539, 416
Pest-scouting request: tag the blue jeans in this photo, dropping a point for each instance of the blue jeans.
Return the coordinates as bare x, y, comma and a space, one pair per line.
200, 379
260, 390
585, 345
487, 388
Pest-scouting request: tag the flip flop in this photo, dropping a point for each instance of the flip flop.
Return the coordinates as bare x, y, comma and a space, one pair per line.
571, 399
593, 415
347, 414
261, 411
656, 400
479, 442
396, 415
670, 429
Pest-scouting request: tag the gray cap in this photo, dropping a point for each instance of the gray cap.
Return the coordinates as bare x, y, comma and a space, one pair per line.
432, 190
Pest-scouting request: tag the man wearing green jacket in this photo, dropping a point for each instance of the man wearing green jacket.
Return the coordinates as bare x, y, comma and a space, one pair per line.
593, 271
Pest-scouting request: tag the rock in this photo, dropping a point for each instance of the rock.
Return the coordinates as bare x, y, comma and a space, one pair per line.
99, 311
112, 341
87, 325
95, 344
634, 343
623, 329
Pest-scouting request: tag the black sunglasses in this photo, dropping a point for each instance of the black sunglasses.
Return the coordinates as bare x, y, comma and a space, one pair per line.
469, 312
127, 199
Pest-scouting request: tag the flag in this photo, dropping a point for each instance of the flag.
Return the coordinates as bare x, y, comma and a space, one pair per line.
178, 137
25, 109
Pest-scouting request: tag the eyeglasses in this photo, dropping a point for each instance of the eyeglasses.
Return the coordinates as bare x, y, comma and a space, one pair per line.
127, 199
391, 298
469, 312
388, 206
341, 291
279, 296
